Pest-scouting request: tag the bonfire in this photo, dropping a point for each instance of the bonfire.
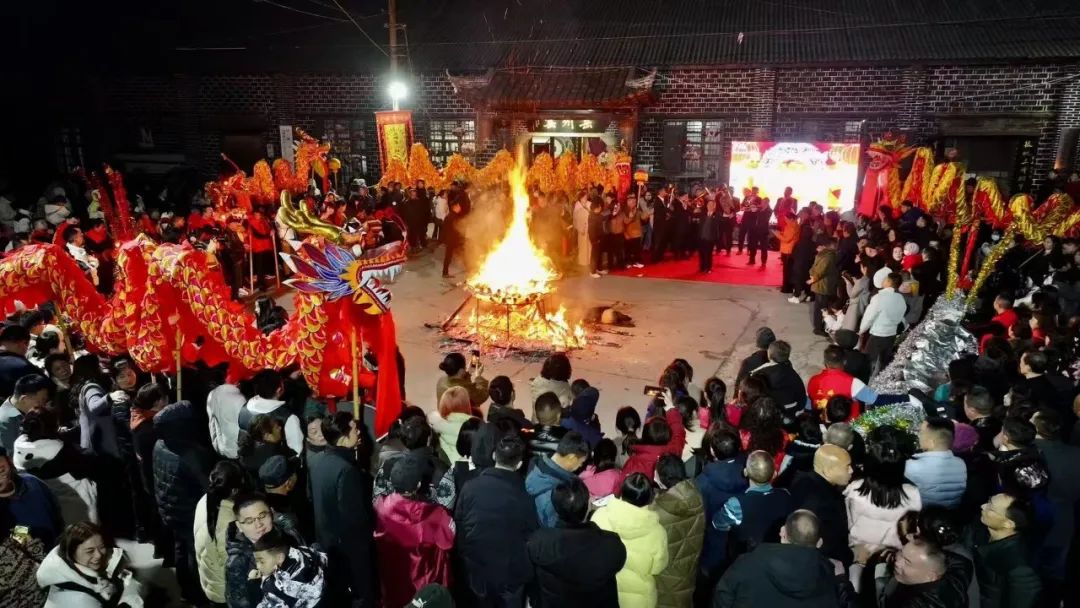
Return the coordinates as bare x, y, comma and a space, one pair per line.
509, 292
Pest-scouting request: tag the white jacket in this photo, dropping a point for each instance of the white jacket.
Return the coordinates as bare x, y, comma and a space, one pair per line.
77, 498
223, 406
884, 313
294, 433
56, 214
54, 571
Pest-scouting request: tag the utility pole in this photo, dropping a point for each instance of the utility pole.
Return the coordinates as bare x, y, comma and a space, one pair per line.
392, 25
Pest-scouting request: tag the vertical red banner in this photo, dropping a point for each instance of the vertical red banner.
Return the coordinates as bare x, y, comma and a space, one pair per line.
395, 134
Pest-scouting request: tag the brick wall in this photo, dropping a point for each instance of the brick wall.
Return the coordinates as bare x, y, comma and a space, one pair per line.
781, 103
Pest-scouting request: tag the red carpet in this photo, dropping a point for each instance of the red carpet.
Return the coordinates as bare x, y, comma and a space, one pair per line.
728, 270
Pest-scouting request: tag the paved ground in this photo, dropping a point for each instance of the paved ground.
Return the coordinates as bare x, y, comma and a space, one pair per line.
712, 326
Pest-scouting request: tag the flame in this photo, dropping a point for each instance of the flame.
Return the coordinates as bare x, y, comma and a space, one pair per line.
514, 276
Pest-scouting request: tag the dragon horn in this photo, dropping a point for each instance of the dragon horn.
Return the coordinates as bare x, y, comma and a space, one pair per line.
302, 221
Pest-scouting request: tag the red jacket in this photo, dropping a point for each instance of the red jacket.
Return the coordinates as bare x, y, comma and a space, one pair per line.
832, 383
261, 235
413, 540
643, 457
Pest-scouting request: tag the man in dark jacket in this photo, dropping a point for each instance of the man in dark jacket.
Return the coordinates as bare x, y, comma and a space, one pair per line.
344, 522
719, 480
822, 493
786, 387
495, 518
922, 576
181, 474
762, 339
254, 518
576, 562
791, 573
14, 342
1063, 460
548, 430
1006, 578
550, 471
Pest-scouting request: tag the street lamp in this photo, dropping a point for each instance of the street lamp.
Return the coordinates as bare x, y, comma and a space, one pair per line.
397, 91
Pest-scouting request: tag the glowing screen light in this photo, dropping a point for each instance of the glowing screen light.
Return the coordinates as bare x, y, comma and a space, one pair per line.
815, 171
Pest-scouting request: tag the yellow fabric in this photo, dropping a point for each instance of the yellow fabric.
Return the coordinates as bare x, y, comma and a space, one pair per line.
646, 551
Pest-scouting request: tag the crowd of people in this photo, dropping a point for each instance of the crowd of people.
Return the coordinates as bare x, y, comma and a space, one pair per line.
257, 494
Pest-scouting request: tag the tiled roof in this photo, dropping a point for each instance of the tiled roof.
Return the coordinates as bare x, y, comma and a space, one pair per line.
553, 89
479, 34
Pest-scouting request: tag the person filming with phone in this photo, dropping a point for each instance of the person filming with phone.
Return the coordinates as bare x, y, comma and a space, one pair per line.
469, 376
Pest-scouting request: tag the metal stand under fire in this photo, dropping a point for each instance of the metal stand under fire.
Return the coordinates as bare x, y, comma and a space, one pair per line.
531, 309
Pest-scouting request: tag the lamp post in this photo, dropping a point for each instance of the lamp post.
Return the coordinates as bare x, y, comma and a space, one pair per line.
397, 91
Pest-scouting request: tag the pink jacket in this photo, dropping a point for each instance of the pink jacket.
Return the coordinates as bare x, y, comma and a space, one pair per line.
603, 483
871, 525
413, 540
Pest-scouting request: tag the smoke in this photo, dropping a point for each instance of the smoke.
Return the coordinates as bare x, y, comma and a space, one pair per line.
486, 223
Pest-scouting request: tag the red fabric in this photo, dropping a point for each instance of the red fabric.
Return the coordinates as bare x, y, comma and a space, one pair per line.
196, 222
911, 261
261, 240
831, 383
1006, 318
678, 431
643, 460
733, 412
1038, 337
413, 540
727, 270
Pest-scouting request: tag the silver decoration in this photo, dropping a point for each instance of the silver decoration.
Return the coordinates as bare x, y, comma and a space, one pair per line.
923, 358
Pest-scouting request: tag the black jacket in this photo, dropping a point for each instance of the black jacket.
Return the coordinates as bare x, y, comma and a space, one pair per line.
813, 492
950, 590
495, 517
576, 566
181, 466
1006, 578
344, 520
779, 576
755, 360
13, 367
786, 388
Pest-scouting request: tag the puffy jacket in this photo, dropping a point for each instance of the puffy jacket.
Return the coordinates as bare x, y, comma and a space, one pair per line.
789, 235
1006, 578
223, 406
576, 566
181, 466
604, 483
825, 273
682, 514
940, 476
65, 471
719, 481
447, 429
581, 416
413, 539
540, 385
541, 480
786, 387
646, 550
97, 429
71, 588
210, 552
873, 525
241, 591
778, 576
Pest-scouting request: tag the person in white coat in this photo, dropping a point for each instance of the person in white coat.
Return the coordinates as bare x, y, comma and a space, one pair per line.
83, 571
223, 406
64, 468
581, 228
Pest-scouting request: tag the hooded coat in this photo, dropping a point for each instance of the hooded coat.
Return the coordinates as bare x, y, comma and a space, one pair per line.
78, 587
299, 582
66, 472
542, 479
581, 416
181, 465
778, 576
646, 550
240, 590
682, 514
576, 566
719, 481
413, 539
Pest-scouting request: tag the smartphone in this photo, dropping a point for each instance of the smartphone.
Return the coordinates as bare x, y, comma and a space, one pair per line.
652, 391
474, 361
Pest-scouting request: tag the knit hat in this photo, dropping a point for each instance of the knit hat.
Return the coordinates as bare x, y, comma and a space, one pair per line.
764, 338
432, 596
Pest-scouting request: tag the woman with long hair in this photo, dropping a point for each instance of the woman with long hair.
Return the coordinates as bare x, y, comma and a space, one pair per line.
761, 428
85, 570
877, 501
213, 515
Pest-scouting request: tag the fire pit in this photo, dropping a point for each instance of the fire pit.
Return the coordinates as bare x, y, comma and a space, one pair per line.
509, 292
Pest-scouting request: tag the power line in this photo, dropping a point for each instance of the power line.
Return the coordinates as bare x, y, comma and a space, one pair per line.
366, 35
298, 10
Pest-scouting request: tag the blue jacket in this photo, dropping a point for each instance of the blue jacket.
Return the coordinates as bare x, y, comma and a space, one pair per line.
718, 482
33, 505
541, 481
581, 417
940, 476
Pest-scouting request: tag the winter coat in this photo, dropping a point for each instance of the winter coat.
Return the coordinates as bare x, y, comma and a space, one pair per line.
299, 582
544, 440
477, 387
778, 576
682, 514
290, 422
344, 521
814, 493
18, 563
789, 236
240, 590
949, 590
413, 539
719, 481
940, 476
65, 471
97, 429
750, 363
604, 483
873, 525
181, 466
542, 479
447, 429
1006, 578
211, 554
576, 566
540, 385
643, 459
786, 387
495, 517
858, 299
12, 367
223, 406
10, 425
79, 587
825, 273
646, 550
581, 416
